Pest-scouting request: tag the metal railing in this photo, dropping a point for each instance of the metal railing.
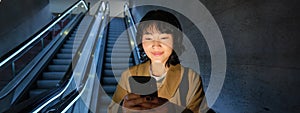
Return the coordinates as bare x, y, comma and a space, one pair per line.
24, 48
85, 70
93, 61
132, 34
32, 41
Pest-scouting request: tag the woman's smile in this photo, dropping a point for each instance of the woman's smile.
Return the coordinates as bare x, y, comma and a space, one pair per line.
157, 53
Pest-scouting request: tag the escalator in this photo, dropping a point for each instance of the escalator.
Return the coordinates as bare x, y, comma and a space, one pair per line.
117, 59
58, 66
57, 71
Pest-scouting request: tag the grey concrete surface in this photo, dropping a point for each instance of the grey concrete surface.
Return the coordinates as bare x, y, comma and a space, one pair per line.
262, 45
21, 19
263, 50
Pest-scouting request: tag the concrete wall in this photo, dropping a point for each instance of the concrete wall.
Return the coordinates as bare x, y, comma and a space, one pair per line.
262, 46
19, 20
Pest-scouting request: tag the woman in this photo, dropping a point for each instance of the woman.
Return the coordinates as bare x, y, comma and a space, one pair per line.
161, 41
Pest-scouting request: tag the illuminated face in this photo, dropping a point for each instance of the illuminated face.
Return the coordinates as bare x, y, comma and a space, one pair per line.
158, 46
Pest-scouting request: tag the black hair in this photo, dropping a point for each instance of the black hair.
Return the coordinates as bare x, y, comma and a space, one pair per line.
164, 22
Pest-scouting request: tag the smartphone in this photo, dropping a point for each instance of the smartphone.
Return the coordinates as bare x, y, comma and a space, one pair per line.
143, 85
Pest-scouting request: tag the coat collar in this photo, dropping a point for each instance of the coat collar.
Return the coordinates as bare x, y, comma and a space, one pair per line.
171, 82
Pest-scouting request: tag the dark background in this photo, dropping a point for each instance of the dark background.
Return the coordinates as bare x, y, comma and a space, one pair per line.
263, 53
261, 39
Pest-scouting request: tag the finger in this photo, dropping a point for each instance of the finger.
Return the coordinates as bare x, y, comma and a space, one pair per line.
158, 100
147, 105
133, 103
131, 96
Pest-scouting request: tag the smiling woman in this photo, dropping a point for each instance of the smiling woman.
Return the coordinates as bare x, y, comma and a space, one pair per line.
179, 89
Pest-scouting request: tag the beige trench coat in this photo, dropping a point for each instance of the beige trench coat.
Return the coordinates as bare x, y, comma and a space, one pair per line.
169, 88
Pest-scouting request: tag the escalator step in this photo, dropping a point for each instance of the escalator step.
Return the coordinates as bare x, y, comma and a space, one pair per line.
77, 34
36, 92
119, 60
110, 81
64, 56
70, 46
119, 42
112, 73
58, 68
75, 38
117, 36
61, 61
68, 50
73, 42
46, 84
118, 45
53, 75
114, 38
119, 50
118, 65
109, 89
118, 55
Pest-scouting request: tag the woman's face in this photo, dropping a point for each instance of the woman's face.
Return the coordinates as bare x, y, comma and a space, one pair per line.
158, 46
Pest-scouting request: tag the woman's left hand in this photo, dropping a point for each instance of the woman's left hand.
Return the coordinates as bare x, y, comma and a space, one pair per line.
155, 105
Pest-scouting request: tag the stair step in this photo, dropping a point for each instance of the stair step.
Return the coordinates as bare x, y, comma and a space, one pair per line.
119, 50
70, 46
53, 75
61, 61
117, 36
109, 81
113, 73
114, 38
122, 66
117, 46
75, 39
68, 50
73, 42
109, 89
119, 60
47, 84
119, 42
58, 68
36, 92
118, 55
64, 56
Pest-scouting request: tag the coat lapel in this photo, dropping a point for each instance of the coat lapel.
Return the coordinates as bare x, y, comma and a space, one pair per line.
171, 83
141, 70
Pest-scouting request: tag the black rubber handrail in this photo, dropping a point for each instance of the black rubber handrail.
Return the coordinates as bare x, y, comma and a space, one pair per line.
65, 82
132, 30
66, 103
31, 103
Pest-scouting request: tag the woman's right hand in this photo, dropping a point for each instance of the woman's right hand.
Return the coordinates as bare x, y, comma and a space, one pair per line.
135, 103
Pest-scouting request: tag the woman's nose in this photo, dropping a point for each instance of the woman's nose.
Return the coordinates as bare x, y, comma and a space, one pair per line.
156, 43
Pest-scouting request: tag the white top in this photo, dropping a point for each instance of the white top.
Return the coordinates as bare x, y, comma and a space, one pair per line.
158, 78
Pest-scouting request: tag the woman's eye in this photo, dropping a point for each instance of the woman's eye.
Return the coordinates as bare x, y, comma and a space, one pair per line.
164, 38
148, 38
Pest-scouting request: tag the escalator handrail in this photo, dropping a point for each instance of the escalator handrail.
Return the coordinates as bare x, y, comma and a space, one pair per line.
66, 82
80, 89
3, 92
95, 60
133, 31
38, 35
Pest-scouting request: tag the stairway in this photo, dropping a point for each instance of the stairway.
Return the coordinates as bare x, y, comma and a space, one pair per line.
117, 59
59, 65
